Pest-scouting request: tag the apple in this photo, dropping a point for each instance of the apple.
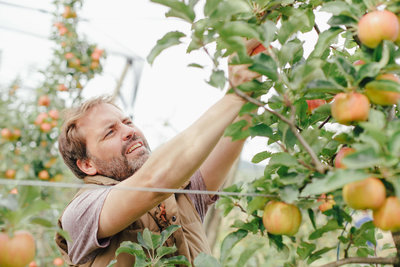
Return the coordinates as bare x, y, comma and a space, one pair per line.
44, 100
369, 193
41, 117
379, 95
58, 262
18, 250
314, 103
10, 173
14, 191
359, 62
350, 107
6, 133
281, 218
260, 48
69, 55
33, 264
376, 26
44, 175
97, 53
387, 217
327, 202
54, 114
69, 12
343, 152
62, 88
45, 127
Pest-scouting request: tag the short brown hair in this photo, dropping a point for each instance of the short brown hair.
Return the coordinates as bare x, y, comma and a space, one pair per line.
71, 143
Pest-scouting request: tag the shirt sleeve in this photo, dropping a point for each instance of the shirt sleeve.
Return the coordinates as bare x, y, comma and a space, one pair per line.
201, 202
81, 221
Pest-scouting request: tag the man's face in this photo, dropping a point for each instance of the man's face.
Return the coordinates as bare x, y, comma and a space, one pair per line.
116, 148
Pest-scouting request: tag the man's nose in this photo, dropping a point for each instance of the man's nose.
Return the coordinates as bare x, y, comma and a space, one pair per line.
128, 133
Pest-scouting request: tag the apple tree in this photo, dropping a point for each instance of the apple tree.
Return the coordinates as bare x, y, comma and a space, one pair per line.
29, 128
328, 110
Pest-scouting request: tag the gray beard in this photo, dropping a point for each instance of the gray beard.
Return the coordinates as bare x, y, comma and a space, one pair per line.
120, 168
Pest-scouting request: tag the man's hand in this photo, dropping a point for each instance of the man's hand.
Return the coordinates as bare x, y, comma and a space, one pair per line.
239, 74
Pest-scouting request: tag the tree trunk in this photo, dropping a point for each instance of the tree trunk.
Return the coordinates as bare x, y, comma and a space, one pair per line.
396, 239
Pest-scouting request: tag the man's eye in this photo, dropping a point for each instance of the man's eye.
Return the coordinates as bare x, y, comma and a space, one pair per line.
128, 123
109, 133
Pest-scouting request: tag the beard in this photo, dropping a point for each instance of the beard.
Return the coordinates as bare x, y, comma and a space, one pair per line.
120, 168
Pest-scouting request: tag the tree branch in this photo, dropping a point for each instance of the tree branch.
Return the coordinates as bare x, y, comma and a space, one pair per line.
377, 260
316, 28
396, 240
318, 165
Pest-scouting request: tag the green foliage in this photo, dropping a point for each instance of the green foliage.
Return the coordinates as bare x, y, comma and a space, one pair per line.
149, 251
301, 145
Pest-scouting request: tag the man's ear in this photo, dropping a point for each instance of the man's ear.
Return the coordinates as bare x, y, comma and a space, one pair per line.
86, 166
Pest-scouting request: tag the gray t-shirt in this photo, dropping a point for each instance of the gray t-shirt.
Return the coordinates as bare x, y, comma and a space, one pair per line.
81, 219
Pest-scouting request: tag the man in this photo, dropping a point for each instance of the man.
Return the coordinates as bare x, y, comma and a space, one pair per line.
102, 146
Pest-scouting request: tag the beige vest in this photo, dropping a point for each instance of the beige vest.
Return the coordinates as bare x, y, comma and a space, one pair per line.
190, 239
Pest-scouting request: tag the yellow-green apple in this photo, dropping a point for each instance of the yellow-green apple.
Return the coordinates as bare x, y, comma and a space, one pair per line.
350, 107
376, 26
343, 152
387, 217
44, 175
314, 103
379, 95
281, 218
369, 193
18, 250
10, 173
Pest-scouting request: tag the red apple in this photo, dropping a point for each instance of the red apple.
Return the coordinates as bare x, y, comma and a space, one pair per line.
379, 95
350, 107
16, 251
58, 262
6, 133
359, 62
45, 127
54, 114
44, 175
10, 173
369, 193
327, 202
387, 217
281, 218
343, 152
44, 100
377, 26
314, 103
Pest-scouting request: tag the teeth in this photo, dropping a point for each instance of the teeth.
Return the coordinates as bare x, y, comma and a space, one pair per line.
134, 147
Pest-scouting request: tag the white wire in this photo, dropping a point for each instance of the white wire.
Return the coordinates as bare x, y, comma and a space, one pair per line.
128, 188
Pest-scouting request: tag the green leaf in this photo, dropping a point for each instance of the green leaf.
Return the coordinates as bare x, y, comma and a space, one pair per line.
131, 248
298, 20
311, 215
227, 8
165, 234
248, 252
248, 107
289, 194
239, 28
230, 241
257, 203
235, 130
42, 222
368, 70
323, 86
283, 158
329, 226
162, 251
305, 249
339, 8
168, 40
365, 158
317, 255
176, 260
195, 65
333, 180
268, 32
178, 9
211, 6
291, 52
145, 239
257, 158
394, 144
340, 20
205, 260
261, 130
324, 41
265, 65
217, 79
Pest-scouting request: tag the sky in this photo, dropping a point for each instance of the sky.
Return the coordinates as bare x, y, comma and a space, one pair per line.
170, 96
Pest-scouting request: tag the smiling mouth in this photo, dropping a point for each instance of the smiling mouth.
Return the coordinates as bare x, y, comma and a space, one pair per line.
134, 146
